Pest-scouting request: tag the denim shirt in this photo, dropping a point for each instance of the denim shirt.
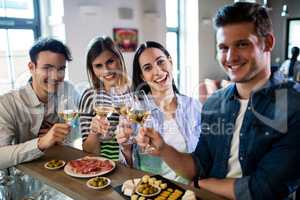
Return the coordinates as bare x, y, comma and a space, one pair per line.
188, 118
269, 146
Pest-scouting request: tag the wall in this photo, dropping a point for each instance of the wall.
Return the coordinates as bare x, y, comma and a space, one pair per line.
85, 19
208, 66
279, 25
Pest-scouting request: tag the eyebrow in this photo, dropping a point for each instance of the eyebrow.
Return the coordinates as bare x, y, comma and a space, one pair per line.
53, 66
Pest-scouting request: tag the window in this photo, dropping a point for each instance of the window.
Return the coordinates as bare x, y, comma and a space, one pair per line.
293, 29
172, 37
19, 26
182, 40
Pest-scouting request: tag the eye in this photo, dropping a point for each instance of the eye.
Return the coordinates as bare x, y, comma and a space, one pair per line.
222, 48
62, 69
242, 45
98, 66
161, 62
147, 68
110, 61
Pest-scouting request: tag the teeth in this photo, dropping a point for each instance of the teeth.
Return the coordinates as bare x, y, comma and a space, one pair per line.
159, 80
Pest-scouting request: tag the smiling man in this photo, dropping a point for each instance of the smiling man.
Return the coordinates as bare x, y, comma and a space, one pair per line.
249, 143
29, 123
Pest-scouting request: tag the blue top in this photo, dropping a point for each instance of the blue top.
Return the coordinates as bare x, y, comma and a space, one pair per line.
188, 119
269, 146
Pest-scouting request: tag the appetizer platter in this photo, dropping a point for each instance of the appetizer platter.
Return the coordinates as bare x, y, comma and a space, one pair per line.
155, 188
88, 167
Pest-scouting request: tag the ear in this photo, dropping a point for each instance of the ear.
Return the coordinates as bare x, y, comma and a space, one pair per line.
31, 66
269, 42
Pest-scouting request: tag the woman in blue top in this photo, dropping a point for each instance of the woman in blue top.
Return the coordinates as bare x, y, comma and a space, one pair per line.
175, 116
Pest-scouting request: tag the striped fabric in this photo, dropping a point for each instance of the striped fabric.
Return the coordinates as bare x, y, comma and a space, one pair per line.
109, 148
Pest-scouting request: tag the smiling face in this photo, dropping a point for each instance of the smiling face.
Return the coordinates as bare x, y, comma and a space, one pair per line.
156, 69
47, 73
243, 55
107, 67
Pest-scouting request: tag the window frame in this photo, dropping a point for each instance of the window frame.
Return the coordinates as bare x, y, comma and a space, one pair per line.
288, 35
176, 30
9, 23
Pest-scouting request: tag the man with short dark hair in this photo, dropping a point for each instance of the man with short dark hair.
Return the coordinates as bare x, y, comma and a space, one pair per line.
249, 144
29, 123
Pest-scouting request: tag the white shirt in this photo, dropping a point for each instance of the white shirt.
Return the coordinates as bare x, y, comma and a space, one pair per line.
21, 117
234, 166
173, 137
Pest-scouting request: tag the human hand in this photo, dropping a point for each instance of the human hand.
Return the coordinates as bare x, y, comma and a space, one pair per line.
56, 134
124, 132
100, 125
148, 136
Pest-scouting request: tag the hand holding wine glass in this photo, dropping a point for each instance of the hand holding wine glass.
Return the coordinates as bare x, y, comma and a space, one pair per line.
141, 114
103, 109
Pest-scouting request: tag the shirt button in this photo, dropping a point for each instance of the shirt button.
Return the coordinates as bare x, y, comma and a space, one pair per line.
267, 133
241, 158
241, 134
249, 108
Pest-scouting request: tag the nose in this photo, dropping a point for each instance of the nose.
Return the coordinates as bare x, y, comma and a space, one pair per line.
232, 55
157, 69
56, 74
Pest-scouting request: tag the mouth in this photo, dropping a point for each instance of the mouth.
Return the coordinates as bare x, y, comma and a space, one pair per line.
235, 67
110, 76
162, 79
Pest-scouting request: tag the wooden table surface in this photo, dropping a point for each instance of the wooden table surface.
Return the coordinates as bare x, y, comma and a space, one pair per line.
76, 187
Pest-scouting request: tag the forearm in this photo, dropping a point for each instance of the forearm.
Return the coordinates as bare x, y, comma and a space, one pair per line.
127, 154
222, 187
91, 144
182, 163
15, 154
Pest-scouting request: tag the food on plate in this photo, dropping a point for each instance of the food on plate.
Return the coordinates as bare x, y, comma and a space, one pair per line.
163, 186
98, 182
189, 195
129, 186
54, 164
145, 178
146, 189
90, 165
134, 197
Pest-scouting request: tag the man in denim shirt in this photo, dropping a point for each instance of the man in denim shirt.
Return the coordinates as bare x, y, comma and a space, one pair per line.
249, 146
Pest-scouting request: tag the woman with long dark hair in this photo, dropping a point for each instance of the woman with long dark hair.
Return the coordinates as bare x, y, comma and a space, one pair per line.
291, 67
175, 116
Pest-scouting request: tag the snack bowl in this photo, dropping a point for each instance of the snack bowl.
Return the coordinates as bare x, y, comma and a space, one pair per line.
54, 164
98, 182
147, 190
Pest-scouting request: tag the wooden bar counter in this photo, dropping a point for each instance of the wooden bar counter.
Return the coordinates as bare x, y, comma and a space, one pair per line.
76, 187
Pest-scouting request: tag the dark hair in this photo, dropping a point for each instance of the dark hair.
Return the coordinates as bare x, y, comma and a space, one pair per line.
245, 12
295, 54
137, 82
49, 44
95, 48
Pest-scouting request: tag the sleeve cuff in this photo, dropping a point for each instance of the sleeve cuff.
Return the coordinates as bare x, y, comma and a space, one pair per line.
200, 170
241, 188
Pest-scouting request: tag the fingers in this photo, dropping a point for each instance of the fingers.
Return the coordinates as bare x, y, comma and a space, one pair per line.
100, 125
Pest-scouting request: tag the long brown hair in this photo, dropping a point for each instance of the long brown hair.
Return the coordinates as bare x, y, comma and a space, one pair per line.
95, 48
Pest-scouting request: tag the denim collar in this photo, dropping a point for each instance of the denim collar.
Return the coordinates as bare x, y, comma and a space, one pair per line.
276, 81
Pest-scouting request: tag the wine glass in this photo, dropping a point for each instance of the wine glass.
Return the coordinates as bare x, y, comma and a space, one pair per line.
122, 104
68, 111
140, 113
103, 108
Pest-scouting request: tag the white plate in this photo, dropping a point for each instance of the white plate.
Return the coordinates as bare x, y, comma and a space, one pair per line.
149, 195
54, 168
70, 172
98, 188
